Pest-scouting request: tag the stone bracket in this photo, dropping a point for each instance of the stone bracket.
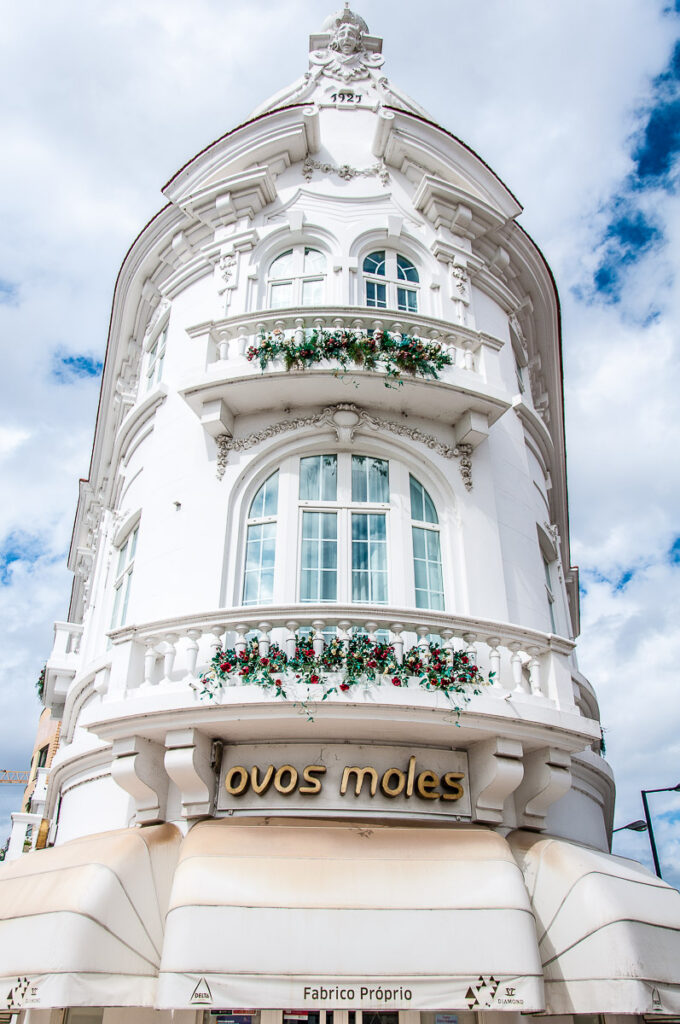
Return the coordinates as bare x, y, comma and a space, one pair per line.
138, 768
496, 771
547, 777
188, 763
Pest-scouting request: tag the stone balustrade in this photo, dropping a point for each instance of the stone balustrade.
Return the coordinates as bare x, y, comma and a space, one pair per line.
231, 338
525, 663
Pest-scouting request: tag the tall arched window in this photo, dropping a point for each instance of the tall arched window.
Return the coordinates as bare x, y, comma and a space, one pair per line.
427, 557
258, 575
297, 278
390, 281
347, 528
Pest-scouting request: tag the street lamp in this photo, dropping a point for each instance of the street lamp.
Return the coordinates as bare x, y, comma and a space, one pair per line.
635, 826
644, 792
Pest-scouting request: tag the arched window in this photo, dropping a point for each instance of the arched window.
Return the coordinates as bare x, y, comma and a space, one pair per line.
427, 557
390, 282
258, 575
351, 528
297, 278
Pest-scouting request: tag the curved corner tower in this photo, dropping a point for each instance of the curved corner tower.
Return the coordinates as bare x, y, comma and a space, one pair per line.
324, 739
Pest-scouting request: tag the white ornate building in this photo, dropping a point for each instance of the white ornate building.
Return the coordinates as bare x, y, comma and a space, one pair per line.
327, 499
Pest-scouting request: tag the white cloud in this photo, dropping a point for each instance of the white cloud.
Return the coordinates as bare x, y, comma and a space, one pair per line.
104, 103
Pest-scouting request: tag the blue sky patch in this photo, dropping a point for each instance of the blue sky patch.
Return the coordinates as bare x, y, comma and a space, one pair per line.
69, 368
9, 293
18, 547
674, 553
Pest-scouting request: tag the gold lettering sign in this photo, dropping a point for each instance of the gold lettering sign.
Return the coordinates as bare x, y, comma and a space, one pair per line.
394, 782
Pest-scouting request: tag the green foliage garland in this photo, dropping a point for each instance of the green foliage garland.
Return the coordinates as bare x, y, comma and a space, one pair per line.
393, 353
358, 661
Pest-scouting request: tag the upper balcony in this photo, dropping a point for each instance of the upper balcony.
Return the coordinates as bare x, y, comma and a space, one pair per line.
464, 387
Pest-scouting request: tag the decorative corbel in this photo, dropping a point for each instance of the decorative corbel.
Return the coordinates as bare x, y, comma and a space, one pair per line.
496, 771
138, 768
547, 777
188, 762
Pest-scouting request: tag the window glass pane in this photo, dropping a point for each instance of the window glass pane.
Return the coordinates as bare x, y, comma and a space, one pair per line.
422, 506
258, 580
318, 571
315, 262
319, 478
133, 543
406, 270
266, 500
312, 293
282, 266
369, 558
127, 579
281, 295
407, 301
375, 263
376, 295
370, 479
427, 568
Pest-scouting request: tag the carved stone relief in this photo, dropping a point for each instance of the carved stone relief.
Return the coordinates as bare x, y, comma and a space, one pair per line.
345, 418
345, 171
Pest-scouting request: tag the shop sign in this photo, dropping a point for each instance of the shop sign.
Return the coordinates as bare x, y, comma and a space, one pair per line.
344, 777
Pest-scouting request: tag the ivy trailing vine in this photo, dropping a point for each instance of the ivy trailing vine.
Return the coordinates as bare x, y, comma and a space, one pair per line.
341, 667
393, 353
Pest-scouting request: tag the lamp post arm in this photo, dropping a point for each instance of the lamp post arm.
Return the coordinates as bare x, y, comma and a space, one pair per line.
650, 831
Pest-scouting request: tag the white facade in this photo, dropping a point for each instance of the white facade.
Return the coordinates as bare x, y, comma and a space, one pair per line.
227, 502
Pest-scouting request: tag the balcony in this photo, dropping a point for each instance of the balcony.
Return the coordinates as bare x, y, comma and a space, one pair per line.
530, 695
244, 388
63, 662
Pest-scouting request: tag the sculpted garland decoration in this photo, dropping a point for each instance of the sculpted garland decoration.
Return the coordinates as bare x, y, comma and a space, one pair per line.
342, 666
345, 418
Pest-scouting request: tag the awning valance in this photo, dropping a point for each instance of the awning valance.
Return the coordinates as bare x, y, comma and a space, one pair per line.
608, 930
82, 924
293, 913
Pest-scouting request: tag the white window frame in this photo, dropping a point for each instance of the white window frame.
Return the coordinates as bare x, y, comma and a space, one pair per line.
255, 521
126, 552
391, 280
298, 278
155, 357
398, 528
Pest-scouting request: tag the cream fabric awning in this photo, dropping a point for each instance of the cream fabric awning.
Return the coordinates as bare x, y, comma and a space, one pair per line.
82, 924
608, 930
293, 913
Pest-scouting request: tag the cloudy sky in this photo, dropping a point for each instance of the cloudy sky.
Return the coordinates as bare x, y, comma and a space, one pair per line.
574, 103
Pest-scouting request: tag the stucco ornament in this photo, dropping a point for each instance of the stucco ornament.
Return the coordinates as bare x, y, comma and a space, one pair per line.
346, 59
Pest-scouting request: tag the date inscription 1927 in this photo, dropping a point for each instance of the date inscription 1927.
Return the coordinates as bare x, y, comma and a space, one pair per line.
346, 97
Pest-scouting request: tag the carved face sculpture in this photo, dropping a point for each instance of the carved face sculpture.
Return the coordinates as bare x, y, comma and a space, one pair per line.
347, 39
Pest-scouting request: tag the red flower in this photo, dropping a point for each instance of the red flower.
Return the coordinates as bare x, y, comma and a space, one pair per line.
278, 682
372, 663
465, 659
314, 679
344, 686
264, 661
396, 681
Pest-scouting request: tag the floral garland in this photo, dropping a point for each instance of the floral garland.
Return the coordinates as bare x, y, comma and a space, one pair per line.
393, 353
359, 660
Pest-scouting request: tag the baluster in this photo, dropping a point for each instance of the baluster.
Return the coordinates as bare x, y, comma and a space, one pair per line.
516, 666
470, 649
370, 628
150, 656
299, 333
318, 323
242, 338
343, 633
292, 628
264, 641
192, 652
223, 345
241, 643
397, 328
318, 642
447, 636
535, 671
424, 643
469, 360
170, 655
216, 642
398, 642
338, 324
494, 661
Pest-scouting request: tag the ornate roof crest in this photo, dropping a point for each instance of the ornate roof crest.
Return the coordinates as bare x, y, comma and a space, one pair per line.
344, 17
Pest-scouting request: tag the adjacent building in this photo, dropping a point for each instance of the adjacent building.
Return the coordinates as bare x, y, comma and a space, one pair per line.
325, 747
